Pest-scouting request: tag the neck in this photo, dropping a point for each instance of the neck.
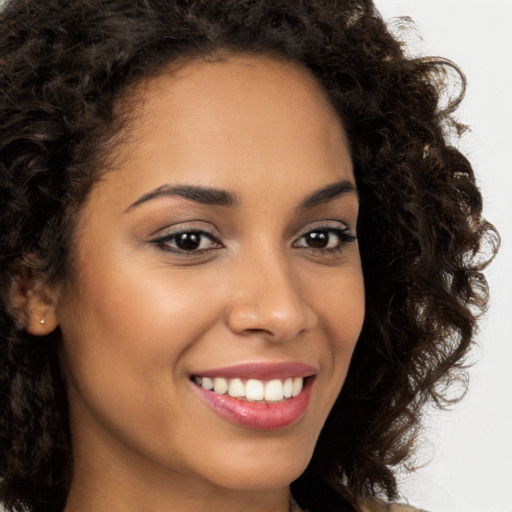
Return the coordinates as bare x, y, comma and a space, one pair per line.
86, 499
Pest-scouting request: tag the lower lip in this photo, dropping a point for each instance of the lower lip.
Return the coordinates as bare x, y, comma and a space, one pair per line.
258, 415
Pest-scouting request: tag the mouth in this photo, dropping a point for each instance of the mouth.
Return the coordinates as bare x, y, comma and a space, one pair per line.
254, 396
253, 390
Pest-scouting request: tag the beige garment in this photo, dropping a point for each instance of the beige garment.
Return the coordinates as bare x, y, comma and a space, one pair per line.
384, 507
369, 507
404, 508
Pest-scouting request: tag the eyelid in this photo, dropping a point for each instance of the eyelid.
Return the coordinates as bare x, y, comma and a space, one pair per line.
335, 227
164, 236
328, 224
175, 234
186, 226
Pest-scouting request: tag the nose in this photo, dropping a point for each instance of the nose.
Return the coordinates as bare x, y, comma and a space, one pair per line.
269, 300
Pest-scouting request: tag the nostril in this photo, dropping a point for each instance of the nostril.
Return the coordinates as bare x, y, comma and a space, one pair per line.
271, 306
276, 322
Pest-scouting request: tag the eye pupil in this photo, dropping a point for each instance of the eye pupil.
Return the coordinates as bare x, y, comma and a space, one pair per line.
317, 239
188, 241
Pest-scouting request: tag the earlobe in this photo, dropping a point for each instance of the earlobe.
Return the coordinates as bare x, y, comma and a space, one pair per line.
33, 305
42, 319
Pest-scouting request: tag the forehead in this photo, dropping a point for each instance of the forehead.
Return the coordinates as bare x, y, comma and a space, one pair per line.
211, 121
231, 79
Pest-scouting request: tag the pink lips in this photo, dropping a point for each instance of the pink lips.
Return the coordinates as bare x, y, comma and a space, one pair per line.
260, 415
262, 371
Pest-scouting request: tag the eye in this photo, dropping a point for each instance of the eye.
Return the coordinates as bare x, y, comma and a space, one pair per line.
188, 241
325, 239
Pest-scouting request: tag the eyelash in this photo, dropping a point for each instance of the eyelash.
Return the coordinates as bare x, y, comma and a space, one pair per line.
164, 241
343, 234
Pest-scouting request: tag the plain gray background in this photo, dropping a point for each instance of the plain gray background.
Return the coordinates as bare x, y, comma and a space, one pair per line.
470, 448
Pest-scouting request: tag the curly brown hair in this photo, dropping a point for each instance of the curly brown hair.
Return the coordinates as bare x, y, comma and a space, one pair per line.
64, 67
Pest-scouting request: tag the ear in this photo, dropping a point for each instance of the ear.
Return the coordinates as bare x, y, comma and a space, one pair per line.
33, 302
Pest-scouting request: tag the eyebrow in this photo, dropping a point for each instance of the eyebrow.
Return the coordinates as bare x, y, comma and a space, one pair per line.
204, 195
328, 193
216, 197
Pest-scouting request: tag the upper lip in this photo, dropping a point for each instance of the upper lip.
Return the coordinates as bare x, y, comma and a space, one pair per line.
262, 371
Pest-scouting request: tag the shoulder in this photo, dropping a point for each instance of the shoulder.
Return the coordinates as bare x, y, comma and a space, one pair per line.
404, 508
367, 506
379, 506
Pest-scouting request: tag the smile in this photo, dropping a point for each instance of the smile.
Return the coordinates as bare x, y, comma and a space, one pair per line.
253, 390
257, 396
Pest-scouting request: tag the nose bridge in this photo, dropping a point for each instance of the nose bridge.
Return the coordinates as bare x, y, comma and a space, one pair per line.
269, 298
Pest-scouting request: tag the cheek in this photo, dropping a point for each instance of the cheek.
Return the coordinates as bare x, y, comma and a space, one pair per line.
126, 331
125, 336
140, 309
340, 305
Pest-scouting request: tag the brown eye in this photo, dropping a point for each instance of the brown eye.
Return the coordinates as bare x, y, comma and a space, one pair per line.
188, 241
321, 239
325, 239
318, 239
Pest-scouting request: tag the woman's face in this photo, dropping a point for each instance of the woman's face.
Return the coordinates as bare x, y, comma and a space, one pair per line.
221, 252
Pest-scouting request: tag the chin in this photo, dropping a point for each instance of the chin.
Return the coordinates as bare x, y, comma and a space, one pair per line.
261, 477
266, 470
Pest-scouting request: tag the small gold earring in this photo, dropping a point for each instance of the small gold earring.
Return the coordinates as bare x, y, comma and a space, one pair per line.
43, 320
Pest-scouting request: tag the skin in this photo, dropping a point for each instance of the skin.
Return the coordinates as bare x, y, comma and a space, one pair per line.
138, 317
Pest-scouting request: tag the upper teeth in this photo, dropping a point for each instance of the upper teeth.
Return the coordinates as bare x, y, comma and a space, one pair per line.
253, 389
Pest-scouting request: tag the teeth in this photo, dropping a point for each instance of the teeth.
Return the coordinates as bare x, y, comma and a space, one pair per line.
254, 389
274, 391
207, 383
297, 386
288, 388
220, 386
236, 388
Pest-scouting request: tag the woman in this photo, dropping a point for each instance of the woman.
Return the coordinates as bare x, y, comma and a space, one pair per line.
238, 255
